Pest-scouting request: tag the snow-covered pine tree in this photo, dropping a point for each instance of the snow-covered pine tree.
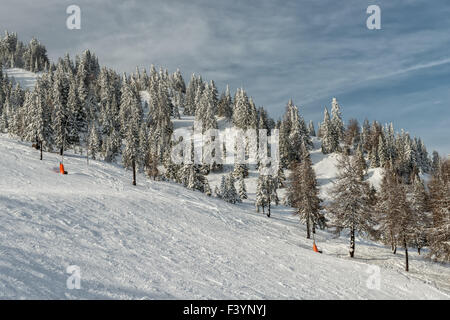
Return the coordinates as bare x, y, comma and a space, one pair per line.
240, 170
39, 125
225, 105
272, 196
330, 138
231, 194
86, 118
350, 206
222, 189
361, 161
365, 136
336, 119
131, 115
280, 178
261, 193
189, 108
311, 130
374, 158
73, 106
242, 189
244, 111
60, 112
207, 188
93, 141
435, 162
293, 133
383, 154
144, 147
303, 193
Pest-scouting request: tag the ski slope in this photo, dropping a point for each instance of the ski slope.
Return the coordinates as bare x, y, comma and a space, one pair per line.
159, 240
26, 79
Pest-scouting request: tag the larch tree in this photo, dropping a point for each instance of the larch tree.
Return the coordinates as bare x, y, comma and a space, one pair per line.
439, 234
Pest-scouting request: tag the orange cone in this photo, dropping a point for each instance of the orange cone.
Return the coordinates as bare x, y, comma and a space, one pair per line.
61, 168
315, 248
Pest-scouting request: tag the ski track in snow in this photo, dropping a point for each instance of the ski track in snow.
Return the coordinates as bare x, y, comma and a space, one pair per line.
25, 78
161, 241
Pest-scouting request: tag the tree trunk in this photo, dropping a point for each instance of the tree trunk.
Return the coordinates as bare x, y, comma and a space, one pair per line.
268, 211
418, 250
406, 255
308, 234
314, 228
395, 249
61, 151
134, 172
40, 144
352, 242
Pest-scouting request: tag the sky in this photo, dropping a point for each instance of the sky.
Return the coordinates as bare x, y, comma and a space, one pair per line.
308, 50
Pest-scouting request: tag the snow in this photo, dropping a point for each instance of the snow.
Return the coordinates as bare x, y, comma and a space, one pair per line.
159, 240
26, 79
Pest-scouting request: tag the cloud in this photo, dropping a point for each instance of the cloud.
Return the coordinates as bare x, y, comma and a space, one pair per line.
305, 50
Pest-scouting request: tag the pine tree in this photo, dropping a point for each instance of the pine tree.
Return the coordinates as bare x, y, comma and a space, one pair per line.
93, 144
330, 138
151, 167
207, 188
60, 113
261, 193
361, 161
242, 189
436, 162
240, 171
351, 203
374, 158
225, 105
336, 120
383, 154
37, 129
311, 130
221, 191
244, 112
303, 193
131, 115
293, 133
231, 194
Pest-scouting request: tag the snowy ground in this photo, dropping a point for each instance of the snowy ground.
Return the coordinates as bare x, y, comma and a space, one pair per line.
160, 241
26, 79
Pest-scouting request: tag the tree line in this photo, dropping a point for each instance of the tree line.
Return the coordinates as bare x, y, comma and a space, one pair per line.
78, 105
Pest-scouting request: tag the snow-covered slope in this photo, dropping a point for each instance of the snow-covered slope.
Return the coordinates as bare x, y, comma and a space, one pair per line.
26, 79
159, 240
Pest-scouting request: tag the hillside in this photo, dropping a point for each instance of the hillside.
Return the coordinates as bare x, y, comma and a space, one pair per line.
159, 241
26, 79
